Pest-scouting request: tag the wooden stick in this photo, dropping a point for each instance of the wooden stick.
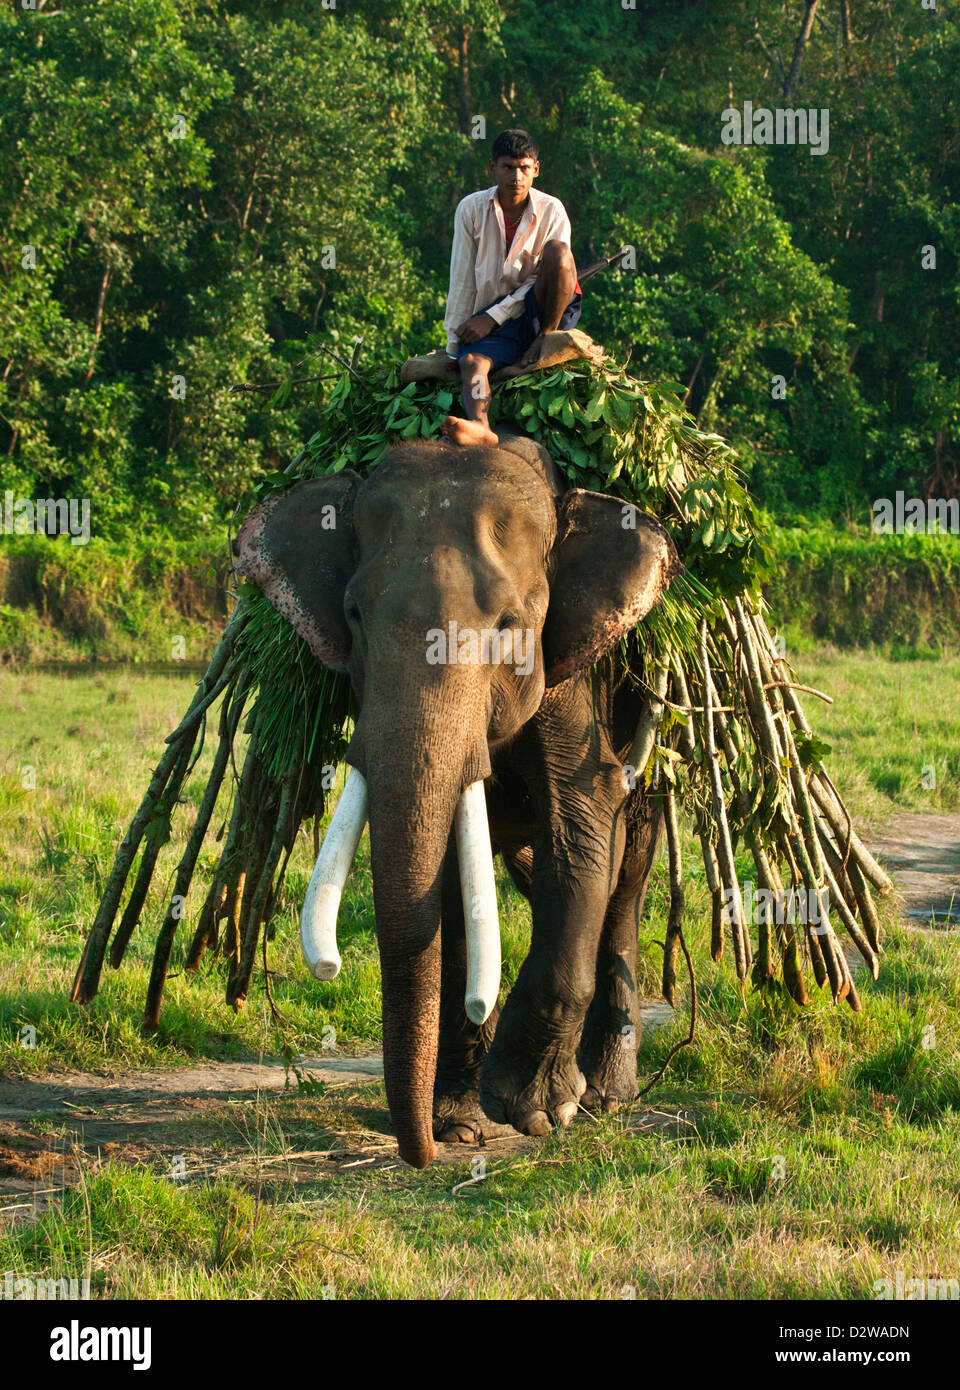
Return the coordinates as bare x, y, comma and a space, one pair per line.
809, 853
649, 723
725, 858
832, 810
868, 910
792, 685
148, 862
131, 913
822, 788
87, 979
229, 716
196, 712
205, 934
675, 915
851, 923
710, 865
259, 896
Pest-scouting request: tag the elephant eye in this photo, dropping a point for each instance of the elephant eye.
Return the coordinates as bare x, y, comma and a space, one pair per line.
351, 610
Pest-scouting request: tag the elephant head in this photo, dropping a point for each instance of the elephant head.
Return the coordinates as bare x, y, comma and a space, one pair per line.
455, 586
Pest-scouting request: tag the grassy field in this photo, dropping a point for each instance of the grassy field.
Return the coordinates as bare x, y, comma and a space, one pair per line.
799, 1156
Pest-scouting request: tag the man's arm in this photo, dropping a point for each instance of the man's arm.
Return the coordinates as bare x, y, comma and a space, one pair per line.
511, 306
556, 228
462, 277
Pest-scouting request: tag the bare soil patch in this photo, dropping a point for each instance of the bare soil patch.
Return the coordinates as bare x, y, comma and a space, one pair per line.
232, 1118
922, 853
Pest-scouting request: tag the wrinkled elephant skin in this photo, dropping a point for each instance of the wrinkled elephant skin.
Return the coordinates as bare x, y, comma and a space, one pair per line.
410, 580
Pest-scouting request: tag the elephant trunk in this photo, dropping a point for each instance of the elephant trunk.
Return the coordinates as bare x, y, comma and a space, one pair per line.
408, 841
410, 825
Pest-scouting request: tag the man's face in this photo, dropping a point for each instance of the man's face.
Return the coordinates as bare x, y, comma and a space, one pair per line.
515, 176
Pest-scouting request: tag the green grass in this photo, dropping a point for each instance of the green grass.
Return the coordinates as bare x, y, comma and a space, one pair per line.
596, 1213
817, 1150
890, 720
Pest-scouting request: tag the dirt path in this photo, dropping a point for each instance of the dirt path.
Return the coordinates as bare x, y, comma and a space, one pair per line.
236, 1118
242, 1118
922, 853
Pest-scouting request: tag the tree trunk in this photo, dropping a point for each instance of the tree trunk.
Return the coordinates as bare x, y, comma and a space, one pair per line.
98, 322
463, 79
803, 38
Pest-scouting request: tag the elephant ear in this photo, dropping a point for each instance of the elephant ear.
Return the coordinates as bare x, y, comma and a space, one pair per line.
612, 563
298, 548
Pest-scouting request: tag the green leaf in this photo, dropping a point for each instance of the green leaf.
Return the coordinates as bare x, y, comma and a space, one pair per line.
811, 750
595, 408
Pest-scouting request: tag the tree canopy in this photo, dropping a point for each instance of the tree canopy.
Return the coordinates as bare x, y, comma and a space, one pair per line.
198, 194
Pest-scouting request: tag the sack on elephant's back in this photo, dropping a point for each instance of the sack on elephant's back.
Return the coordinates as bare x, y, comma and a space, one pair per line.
565, 345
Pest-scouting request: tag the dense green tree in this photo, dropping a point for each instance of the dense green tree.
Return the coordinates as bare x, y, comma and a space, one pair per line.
198, 194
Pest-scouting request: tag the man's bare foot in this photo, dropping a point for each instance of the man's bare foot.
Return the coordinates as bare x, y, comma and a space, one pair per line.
467, 431
532, 355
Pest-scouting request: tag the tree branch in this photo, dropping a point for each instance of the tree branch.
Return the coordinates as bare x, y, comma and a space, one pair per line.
772, 55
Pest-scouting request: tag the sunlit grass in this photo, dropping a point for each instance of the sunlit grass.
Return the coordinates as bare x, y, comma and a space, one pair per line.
816, 1152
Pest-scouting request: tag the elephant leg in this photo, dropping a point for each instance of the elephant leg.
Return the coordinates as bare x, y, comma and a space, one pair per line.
612, 1030
531, 1077
457, 1113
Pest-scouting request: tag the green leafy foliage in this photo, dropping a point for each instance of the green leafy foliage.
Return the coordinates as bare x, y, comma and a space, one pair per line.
209, 190
606, 430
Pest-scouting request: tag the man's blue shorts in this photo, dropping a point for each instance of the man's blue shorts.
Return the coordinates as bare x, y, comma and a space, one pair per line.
510, 340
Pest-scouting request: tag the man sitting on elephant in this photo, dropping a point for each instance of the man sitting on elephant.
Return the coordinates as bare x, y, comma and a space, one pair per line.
512, 279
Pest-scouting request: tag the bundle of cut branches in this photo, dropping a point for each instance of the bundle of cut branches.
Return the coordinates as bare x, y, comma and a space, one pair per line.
726, 739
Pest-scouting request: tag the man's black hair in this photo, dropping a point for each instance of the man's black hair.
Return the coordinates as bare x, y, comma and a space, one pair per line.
514, 144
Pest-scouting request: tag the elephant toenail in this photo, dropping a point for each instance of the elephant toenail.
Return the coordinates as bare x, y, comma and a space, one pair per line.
565, 1112
536, 1123
458, 1134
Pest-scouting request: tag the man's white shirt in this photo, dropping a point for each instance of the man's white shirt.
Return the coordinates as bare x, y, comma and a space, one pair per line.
483, 271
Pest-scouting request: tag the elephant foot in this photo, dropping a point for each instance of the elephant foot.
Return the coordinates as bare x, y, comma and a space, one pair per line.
533, 1098
459, 1118
611, 1077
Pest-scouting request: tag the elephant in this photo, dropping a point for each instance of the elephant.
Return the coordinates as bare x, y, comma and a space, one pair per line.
423, 580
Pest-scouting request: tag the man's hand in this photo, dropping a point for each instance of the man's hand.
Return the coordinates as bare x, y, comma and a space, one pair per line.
532, 355
476, 328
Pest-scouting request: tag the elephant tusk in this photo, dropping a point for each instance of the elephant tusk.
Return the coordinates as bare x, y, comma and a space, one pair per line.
318, 921
479, 889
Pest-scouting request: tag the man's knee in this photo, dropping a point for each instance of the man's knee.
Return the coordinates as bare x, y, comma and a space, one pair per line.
556, 254
474, 364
